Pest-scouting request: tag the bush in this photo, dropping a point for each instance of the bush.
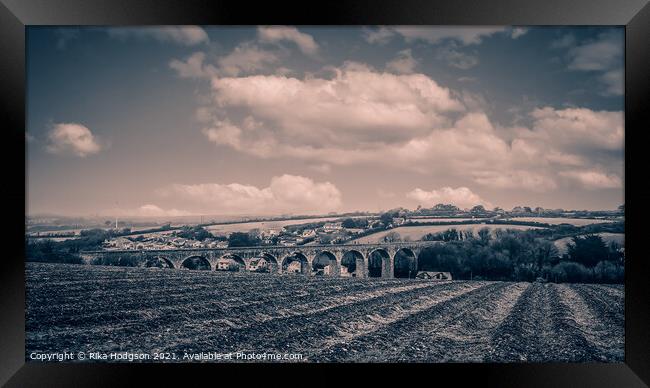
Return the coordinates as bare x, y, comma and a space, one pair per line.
570, 272
608, 272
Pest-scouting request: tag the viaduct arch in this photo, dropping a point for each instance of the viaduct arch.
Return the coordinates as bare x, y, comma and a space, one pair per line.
385, 260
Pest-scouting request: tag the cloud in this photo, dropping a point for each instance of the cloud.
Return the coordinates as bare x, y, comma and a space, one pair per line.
600, 54
342, 110
594, 179
246, 58
148, 210
285, 194
517, 32
565, 41
275, 34
433, 35
614, 82
381, 35
456, 58
578, 128
357, 115
404, 63
184, 35
72, 138
461, 197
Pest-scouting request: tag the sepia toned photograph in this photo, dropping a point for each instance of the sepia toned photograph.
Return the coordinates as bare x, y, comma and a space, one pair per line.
325, 194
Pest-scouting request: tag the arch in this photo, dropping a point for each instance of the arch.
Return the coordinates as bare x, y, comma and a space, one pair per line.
158, 262
325, 263
196, 263
353, 262
379, 264
405, 264
272, 260
288, 267
230, 262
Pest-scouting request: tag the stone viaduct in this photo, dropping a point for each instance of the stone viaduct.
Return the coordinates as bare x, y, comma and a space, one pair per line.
364, 260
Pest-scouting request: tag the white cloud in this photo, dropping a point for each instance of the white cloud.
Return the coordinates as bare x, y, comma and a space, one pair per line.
147, 210
275, 34
599, 54
244, 59
594, 179
193, 67
517, 32
462, 197
614, 82
578, 128
404, 63
356, 106
286, 193
184, 35
457, 58
72, 138
433, 35
381, 35
360, 115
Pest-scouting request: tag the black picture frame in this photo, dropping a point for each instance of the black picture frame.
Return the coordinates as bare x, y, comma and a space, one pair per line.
15, 15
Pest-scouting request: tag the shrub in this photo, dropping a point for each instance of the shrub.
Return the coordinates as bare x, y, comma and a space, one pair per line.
608, 272
570, 272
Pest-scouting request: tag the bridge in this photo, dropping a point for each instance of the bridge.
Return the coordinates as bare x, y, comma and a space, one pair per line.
386, 260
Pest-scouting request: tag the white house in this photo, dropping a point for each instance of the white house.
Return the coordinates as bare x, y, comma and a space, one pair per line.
227, 264
258, 265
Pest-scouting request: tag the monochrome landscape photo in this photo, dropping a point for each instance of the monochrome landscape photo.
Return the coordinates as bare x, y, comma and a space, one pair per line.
325, 194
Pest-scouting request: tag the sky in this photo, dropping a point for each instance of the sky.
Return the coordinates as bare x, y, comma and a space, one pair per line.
191, 120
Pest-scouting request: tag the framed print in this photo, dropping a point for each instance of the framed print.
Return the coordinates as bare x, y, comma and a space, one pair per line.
441, 187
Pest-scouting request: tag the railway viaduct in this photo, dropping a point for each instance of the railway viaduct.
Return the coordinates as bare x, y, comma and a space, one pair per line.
367, 260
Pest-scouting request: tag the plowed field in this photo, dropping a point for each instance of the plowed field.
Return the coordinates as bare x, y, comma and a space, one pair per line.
77, 308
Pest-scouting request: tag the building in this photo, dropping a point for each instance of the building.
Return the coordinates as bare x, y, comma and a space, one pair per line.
332, 227
307, 233
432, 275
227, 264
258, 265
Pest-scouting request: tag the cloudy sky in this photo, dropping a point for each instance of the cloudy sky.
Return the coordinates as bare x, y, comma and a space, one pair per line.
165, 121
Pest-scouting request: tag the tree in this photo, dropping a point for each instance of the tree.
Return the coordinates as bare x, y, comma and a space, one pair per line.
386, 218
478, 209
348, 223
391, 237
588, 250
241, 239
484, 235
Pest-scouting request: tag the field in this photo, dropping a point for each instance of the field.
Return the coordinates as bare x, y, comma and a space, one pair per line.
415, 233
619, 238
247, 226
562, 220
92, 308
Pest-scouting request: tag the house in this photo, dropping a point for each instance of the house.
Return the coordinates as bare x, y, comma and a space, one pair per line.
332, 227
294, 267
307, 233
398, 220
258, 265
345, 274
227, 264
432, 275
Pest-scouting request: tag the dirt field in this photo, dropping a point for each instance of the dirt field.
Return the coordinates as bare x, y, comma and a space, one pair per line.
105, 309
